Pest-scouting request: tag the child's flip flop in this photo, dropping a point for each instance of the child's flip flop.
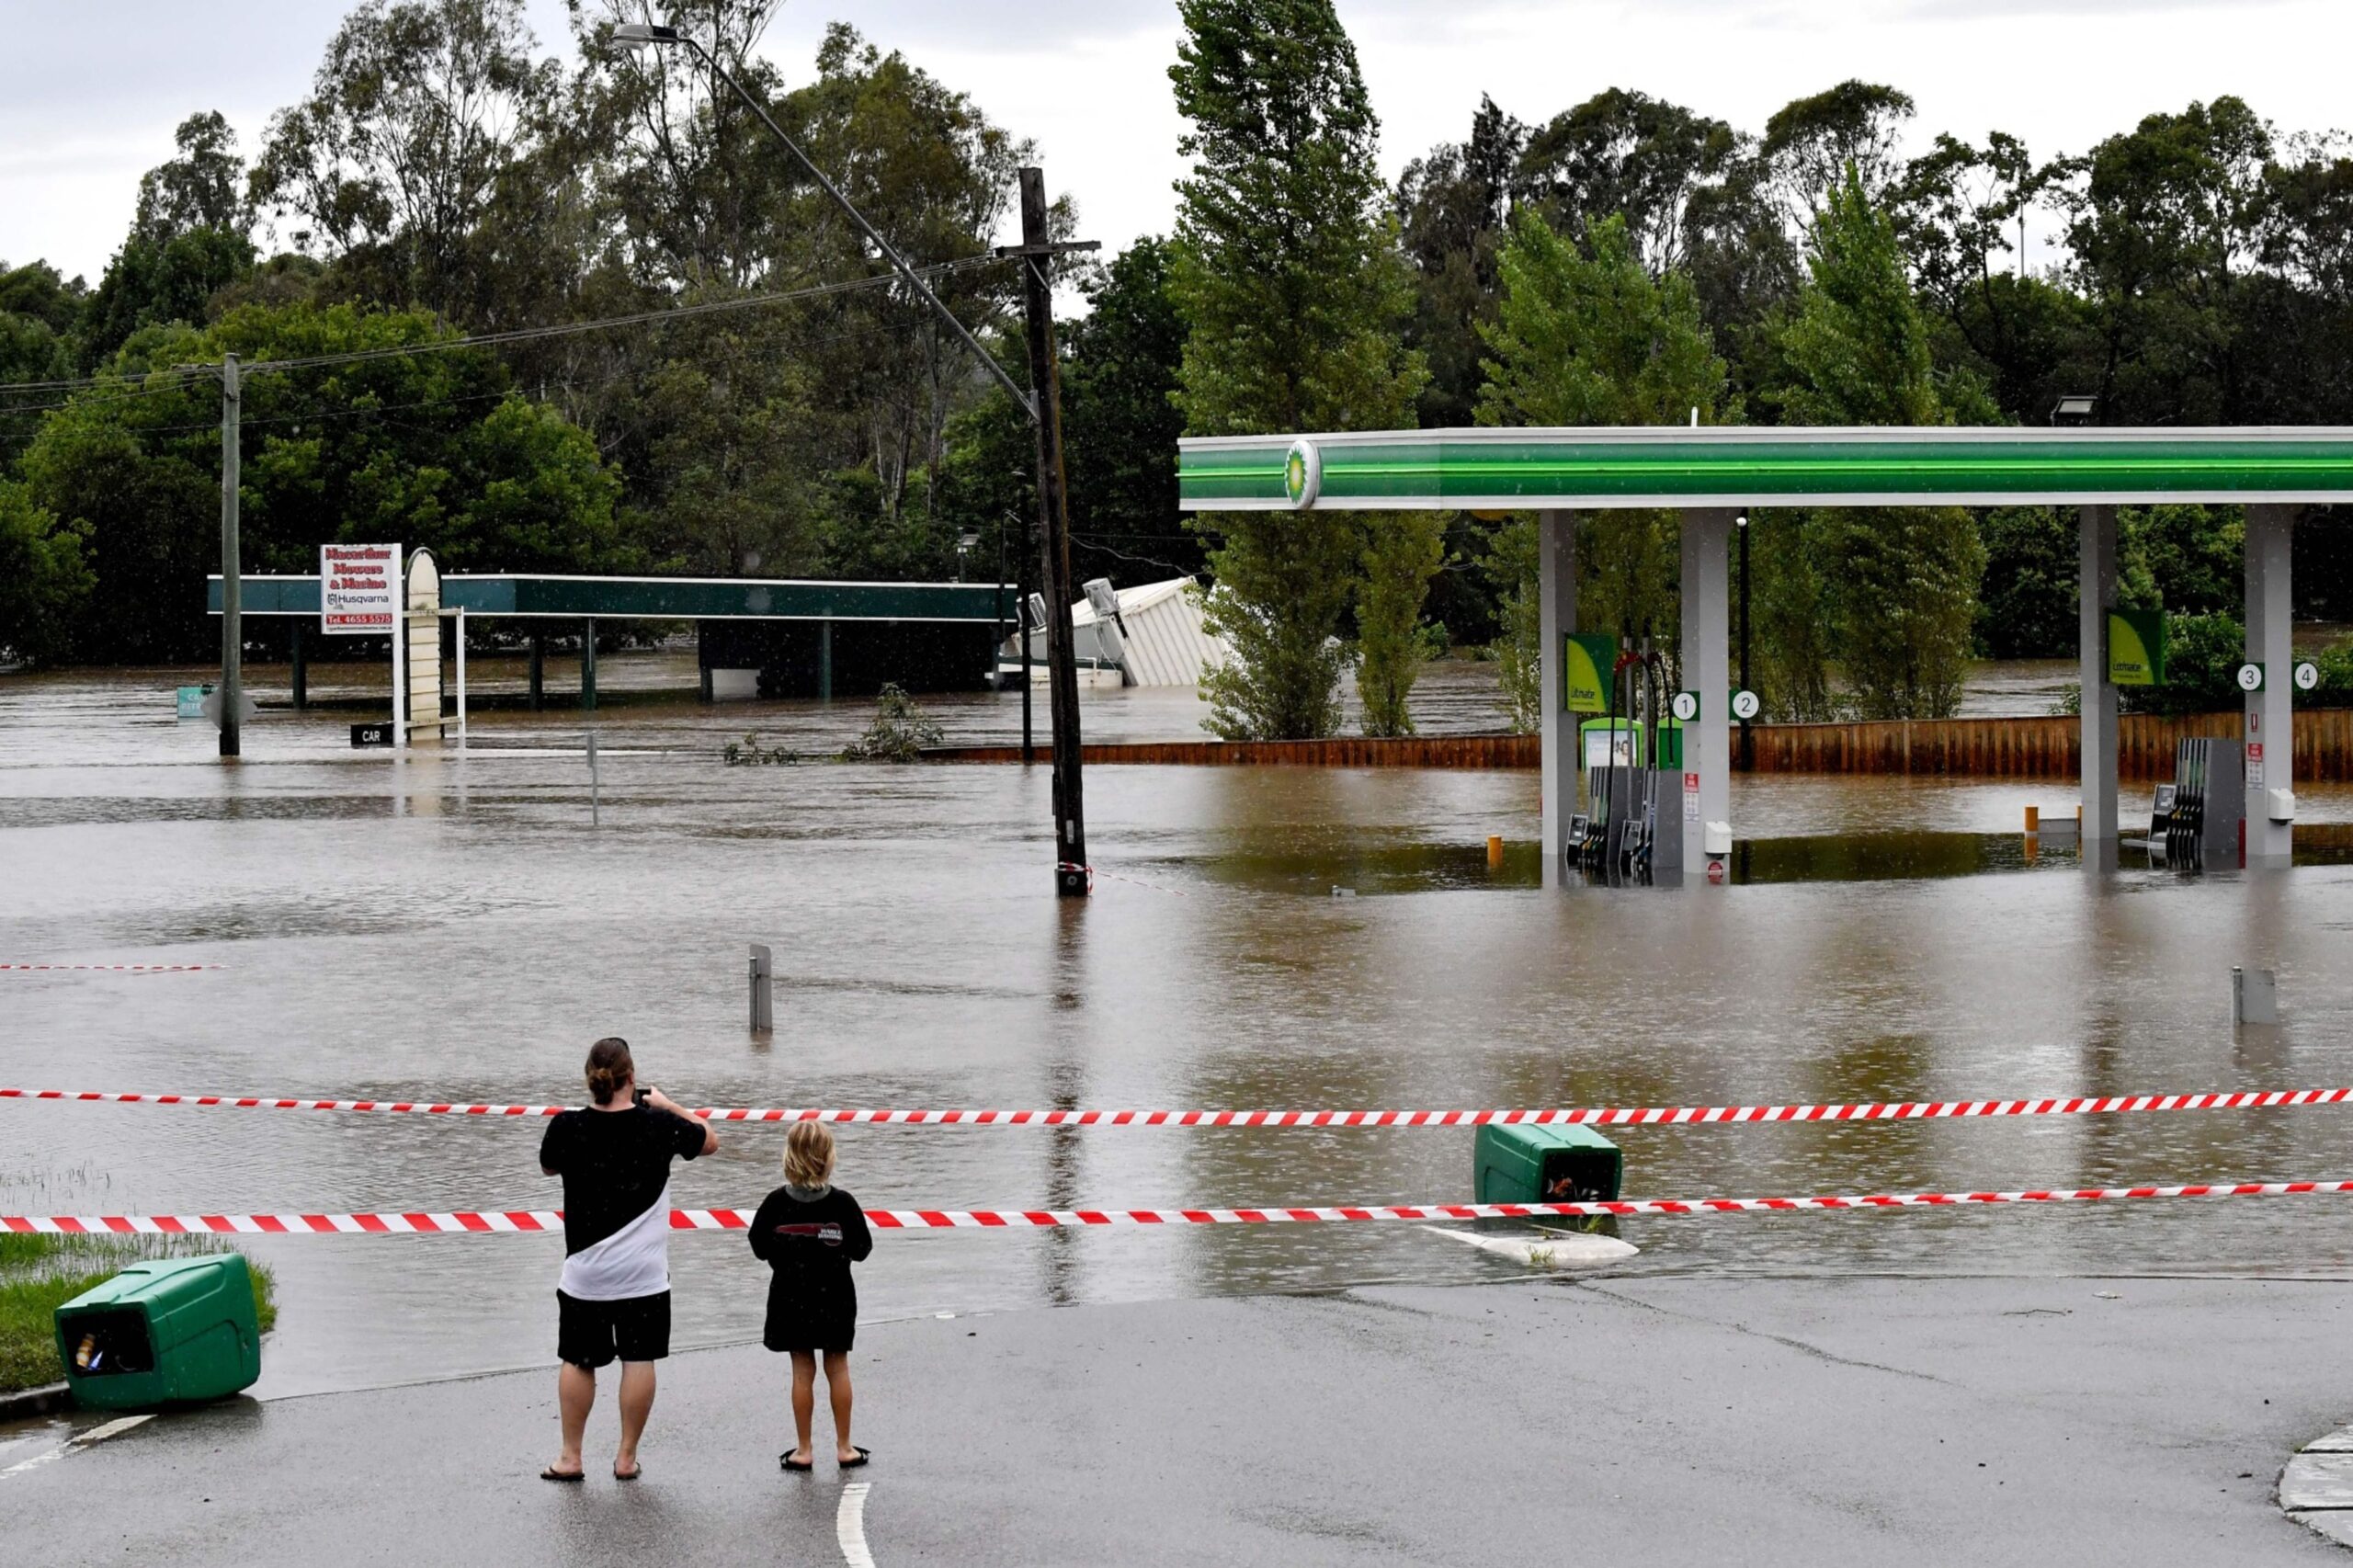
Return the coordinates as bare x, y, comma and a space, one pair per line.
863, 1455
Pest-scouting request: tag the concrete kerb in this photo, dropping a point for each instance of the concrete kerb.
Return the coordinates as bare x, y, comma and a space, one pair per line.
25, 1404
2316, 1488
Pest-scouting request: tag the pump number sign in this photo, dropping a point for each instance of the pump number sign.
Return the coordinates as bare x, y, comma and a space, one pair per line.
2250, 677
2307, 676
1745, 706
1686, 706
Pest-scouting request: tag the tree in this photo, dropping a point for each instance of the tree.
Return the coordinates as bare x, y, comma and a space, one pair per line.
432, 449
2166, 230
1591, 340
1451, 206
418, 108
1631, 155
1814, 145
1898, 585
1294, 295
44, 580
1120, 423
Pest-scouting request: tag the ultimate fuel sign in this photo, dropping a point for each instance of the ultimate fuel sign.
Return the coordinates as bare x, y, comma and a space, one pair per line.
2136, 647
1586, 663
359, 588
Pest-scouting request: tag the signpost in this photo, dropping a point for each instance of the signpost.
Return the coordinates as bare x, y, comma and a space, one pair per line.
359, 588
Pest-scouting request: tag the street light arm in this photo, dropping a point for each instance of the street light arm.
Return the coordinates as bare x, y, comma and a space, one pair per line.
1026, 403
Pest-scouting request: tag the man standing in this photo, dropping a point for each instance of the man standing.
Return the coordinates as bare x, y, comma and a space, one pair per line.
613, 1301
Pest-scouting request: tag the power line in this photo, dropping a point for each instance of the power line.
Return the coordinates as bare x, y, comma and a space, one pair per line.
174, 380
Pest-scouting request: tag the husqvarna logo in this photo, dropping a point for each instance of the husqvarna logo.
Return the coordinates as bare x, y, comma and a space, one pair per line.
1303, 474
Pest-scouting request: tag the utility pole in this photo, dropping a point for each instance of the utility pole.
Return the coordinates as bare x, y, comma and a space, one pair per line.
1072, 877
233, 629
1043, 406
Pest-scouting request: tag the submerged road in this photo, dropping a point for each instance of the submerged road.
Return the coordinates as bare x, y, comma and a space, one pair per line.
1669, 1421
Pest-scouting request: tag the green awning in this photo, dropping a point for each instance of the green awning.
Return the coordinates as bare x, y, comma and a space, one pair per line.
1732, 466
663, 598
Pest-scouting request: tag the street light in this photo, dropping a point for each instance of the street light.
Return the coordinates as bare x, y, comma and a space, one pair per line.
2074, 409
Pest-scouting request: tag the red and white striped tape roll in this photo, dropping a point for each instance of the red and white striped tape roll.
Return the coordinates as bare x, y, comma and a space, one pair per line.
526, 1220
119, 968
1598, 1116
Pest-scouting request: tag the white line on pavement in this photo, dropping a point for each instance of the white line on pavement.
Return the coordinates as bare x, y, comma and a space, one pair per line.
849, 1526
79, 1440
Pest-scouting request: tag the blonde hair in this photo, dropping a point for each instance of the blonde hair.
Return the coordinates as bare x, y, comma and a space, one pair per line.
809, 1154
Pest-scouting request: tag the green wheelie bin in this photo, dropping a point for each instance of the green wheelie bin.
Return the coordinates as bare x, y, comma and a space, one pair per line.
170, 1331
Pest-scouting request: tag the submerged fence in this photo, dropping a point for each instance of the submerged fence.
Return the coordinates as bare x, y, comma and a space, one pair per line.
2022, 746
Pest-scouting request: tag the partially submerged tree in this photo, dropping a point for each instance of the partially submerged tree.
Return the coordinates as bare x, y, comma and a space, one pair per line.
1295, 297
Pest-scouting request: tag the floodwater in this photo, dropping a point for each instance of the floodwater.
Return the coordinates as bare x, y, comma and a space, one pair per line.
450, 926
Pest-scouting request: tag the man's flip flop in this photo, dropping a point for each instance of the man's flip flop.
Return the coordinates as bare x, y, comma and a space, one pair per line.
786, 1461
632, 1475
568, 1477
863, 1455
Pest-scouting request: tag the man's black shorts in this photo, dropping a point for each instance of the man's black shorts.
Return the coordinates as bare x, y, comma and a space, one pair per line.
592, 1334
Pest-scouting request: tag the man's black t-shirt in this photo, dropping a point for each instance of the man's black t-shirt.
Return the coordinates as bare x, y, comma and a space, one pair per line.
615, 1164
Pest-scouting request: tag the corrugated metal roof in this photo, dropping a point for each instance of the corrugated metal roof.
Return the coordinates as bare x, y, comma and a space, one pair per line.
1165, 643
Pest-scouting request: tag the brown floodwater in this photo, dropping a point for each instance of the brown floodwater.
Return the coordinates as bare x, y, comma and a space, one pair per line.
450, 925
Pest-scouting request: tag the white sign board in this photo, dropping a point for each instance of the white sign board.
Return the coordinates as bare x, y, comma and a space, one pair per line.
358, 589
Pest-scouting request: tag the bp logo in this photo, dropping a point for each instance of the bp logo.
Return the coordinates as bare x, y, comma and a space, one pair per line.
1303, 474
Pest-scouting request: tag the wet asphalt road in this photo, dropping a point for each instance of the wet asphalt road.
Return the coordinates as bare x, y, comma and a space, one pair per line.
1633, 1421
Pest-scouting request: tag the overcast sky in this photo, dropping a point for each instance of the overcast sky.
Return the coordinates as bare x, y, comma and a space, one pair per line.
89, 93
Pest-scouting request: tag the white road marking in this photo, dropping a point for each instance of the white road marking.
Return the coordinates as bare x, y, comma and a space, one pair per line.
849, 1526
79, 1440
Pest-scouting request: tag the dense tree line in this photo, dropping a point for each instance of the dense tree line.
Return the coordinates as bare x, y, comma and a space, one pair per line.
762, 407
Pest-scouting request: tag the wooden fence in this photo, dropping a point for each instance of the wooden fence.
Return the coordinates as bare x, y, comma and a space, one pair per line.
2029, 746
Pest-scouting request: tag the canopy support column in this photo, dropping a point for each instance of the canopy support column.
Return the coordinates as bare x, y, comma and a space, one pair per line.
1707, 665
1556, 589
2096, 593
2270, 712
588, 662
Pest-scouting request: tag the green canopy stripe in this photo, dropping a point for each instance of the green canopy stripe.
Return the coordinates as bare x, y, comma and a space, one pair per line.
1590, 467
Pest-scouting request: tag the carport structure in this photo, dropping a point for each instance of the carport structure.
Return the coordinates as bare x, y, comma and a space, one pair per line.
541, 599
1713, 475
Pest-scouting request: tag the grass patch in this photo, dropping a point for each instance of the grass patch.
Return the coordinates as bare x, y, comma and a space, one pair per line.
38, 1274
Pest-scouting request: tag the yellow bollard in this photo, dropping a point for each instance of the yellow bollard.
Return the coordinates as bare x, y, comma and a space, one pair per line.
1494, 850
2034, 819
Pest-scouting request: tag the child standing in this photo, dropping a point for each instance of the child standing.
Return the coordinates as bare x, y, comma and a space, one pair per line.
808, 1231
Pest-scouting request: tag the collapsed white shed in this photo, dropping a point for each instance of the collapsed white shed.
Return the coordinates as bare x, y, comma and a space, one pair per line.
1153, 637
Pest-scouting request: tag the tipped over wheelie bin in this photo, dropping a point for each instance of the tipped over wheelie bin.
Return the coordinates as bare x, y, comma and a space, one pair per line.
170, 1331
1525, 1163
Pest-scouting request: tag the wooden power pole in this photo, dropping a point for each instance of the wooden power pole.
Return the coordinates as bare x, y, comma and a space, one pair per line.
1072, 877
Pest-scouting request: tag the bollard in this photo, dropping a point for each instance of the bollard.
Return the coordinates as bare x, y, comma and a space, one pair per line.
596, 800
1494, 850
2254, 996
763, 989
2034, 819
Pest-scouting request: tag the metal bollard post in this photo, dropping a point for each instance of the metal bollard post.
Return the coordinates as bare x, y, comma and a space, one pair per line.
596, 793
2254, 996
763, 989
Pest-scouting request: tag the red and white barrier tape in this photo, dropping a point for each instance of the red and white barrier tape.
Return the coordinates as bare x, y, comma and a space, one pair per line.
517, 1221
1598, 1116
117, 967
